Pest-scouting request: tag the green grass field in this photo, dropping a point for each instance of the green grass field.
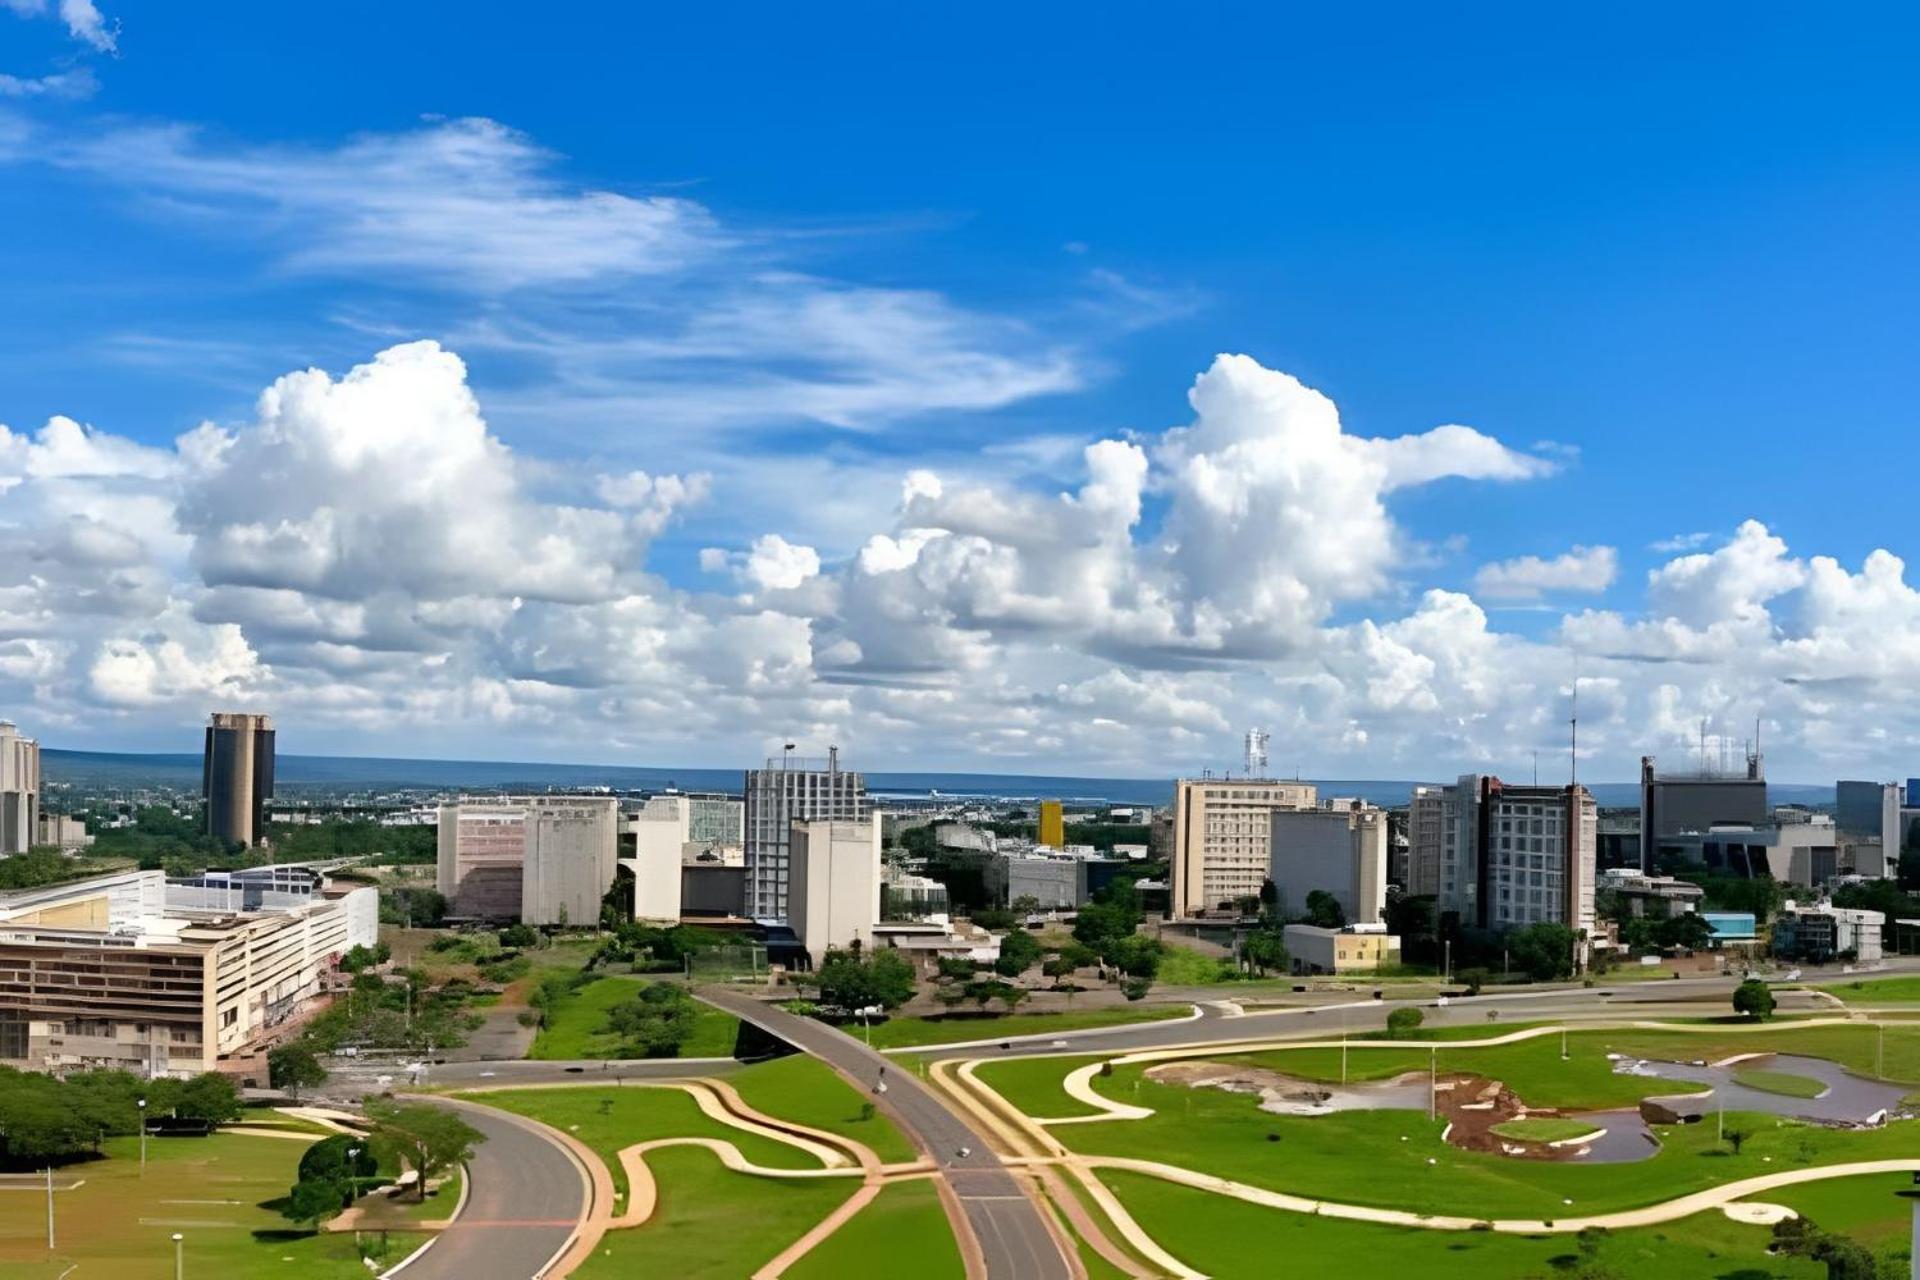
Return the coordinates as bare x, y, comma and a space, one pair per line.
1543, 1129
809, 1092
577, 1024
712, 1224
904, 1231
1231, 1240
118, 1226
1186, 967
901, 1033
1784, 1083
1902, 990
1033, 1084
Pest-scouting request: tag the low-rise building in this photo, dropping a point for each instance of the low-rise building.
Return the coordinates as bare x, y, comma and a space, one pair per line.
1354, 949
1340, 848
129, 972
536, 859
1056, 883
1821, 932
1805, 853
62, 831
1658, 896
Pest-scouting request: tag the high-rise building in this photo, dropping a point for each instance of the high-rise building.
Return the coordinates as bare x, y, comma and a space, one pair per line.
1426, 825
1679, 801
715, 820
1512, 856
236, 776
535, 859
19, 790
789, 790
1223, 838
834, 883
1340, 848
1053, 825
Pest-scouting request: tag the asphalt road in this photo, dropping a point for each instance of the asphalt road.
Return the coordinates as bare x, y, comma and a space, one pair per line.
1012, 1233
348, 1082
526, 1195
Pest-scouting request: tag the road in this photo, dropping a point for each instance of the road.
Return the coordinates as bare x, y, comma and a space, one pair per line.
348, 1081
1013, 1234
526, 1195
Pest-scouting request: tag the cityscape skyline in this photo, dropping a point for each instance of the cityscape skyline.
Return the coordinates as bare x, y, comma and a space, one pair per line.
496, 427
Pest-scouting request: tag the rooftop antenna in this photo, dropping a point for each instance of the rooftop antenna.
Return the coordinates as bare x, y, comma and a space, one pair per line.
1536, 766
1573, 737
1256, 753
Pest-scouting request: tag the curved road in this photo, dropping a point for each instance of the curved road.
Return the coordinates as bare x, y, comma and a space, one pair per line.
1013, 1233
525, 1197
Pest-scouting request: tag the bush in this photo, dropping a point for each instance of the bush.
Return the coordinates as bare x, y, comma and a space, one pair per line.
1404, 1022
1136, 988
1753, 998
1473, 979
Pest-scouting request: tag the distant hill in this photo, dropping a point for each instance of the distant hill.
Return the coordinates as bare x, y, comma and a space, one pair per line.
380, 773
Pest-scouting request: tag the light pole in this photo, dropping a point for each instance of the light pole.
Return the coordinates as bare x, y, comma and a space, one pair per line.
1563, 1043
179, 1256
1343, 1044
1446, 973
49, 1208
1433, 1082
142, 1104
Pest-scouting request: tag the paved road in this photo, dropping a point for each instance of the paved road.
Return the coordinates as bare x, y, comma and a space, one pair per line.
526, 1197
1013, 1235
348, 1082
1321, 1014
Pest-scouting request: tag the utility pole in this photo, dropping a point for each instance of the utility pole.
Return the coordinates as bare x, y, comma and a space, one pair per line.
1433, 1082
49, 1208
142, 1104
179, 1257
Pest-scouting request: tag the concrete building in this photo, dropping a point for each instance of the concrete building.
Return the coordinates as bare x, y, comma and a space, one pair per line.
907, 897
1617, 843
535, 859
1223, 838
1511, 855
236, 777
1675, 802
1052, 827
1362, 949
1821, 932
1802, 853
963, 835
833, 891
785, 792
62, 832
129, 972
1056, 883
1341, 848
716, 820
1426, 826
1658, 896
19, 790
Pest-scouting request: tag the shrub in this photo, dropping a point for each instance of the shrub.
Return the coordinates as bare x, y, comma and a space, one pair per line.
1404, 1022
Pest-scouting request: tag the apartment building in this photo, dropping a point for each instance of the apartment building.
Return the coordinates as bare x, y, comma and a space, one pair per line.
1340, 848
535, 859
1426, 828
1511, 856
129, 972
1223, 838
786, 791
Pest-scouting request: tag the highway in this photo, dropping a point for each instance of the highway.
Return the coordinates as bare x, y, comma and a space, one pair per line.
1010, 1227
526, 1195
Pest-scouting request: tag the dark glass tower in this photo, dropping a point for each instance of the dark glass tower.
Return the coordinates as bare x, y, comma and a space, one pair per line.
236, 776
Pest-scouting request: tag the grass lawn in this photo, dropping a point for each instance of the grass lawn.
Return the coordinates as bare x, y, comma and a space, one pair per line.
1587, 1079
904, 1222
1544, 1129
901, 1033
118, 1226
1865, 1208
619, 1116
1230, 1240
1902, 990
1381, 1157
711, 1224
577, 1024
1780, 1082
1185, 967
1033, 1084
807, 1091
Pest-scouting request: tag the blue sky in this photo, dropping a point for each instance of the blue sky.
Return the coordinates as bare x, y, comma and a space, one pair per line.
1665, 255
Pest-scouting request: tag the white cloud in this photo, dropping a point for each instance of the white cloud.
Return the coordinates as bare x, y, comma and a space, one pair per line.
1586, 569
84, 20
771, 564
75, 84
1681, 542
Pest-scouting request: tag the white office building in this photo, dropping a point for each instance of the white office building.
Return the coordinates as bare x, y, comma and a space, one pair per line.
787, 791
19, 790
1340, 848
834, 890
535, 859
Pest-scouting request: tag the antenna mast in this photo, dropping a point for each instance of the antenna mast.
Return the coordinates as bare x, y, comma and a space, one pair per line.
1573, 737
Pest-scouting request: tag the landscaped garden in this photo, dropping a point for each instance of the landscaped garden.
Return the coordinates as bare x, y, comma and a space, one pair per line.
584, 1016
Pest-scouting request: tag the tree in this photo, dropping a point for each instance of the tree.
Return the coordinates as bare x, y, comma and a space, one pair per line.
893, 978
1136, 988
328, 1159
1018, 951
426, 1138
519, 936
1687, 930
1404, 1022
655, 1023
1474, 979
1543, 951
293, 1067
1736, 1138
209, 1096
313, 1200
1135, 955
1324, 910
1011, 996
1264, 950
1754, 999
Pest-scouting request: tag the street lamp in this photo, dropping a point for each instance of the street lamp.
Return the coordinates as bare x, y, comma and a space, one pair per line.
142, 1104
866, 1013
179, 1256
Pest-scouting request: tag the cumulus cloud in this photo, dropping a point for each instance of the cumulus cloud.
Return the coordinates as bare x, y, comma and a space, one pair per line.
1584, 569
362, 554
